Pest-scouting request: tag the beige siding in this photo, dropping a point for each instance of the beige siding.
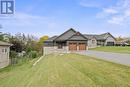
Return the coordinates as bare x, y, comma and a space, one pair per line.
109, 39
4, 56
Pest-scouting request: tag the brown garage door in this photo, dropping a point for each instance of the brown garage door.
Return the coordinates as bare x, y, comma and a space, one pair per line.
72, 46
82, 46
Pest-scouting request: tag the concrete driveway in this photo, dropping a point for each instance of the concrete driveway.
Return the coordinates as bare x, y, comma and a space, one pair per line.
109, 56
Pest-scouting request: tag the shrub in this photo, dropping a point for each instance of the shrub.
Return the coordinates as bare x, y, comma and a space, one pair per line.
33, 54
13, 54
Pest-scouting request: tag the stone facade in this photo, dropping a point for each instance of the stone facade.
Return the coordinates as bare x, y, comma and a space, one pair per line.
74, 41
54, 49
64, 49
92, 43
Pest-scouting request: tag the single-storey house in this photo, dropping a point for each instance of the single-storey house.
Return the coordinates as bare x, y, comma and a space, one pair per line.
71, 41
4, 54
105, 39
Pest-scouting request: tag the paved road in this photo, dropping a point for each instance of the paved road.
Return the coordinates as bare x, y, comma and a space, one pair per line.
113, 57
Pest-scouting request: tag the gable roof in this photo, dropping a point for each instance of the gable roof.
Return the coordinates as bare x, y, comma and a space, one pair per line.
71, 34
78, 36
51, 39
106, 35
89, 36
99, 37
4, 43
66, 35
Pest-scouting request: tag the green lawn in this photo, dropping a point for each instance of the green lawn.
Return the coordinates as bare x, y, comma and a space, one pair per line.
68, 70
116, 49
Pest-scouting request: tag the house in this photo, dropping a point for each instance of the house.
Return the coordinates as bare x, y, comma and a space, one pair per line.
71, 41
105, 39
4, 54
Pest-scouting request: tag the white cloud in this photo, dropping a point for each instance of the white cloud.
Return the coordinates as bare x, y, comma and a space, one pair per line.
93, 3
118, 14
127, 12
83, 4
29, 24
90, 3
110, 11
116, 20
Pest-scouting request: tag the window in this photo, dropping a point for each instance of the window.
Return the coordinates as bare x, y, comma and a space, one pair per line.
93, 41
4, 50
48, 44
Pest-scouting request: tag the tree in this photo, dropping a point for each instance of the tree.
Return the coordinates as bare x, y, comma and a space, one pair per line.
119, 38
17, 46
1, 36
39, 45
128, 41
42, 39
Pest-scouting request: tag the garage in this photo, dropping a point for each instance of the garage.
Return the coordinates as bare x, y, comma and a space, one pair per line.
110, 43
82, 46
72, 46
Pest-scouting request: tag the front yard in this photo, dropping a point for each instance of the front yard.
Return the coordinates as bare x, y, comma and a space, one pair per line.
67, 70
116, 49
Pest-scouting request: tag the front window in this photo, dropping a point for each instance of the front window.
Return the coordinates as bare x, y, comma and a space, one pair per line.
93, 41
4, 50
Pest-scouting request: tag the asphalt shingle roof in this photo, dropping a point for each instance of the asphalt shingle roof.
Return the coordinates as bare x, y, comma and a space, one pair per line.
98, 37
70, 34
4, 43
78, 36
66, 35
51, 39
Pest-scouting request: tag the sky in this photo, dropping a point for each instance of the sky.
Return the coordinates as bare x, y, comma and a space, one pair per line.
53, 17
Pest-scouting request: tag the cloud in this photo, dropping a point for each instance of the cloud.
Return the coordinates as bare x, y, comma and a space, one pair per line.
116, 20
110, 11
93, 5
118, 14
90, 3
30, 24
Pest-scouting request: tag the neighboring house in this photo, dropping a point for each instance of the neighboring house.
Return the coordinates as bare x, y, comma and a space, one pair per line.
4, 54
105, 39
71, 41
92, 41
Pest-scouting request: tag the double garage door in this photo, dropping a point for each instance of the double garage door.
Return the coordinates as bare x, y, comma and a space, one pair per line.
75, 46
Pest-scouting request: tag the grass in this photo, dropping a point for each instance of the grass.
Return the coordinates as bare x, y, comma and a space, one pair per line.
67, 70
116, 49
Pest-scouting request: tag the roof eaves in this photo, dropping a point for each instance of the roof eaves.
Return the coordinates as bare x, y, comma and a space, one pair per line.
66, 32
